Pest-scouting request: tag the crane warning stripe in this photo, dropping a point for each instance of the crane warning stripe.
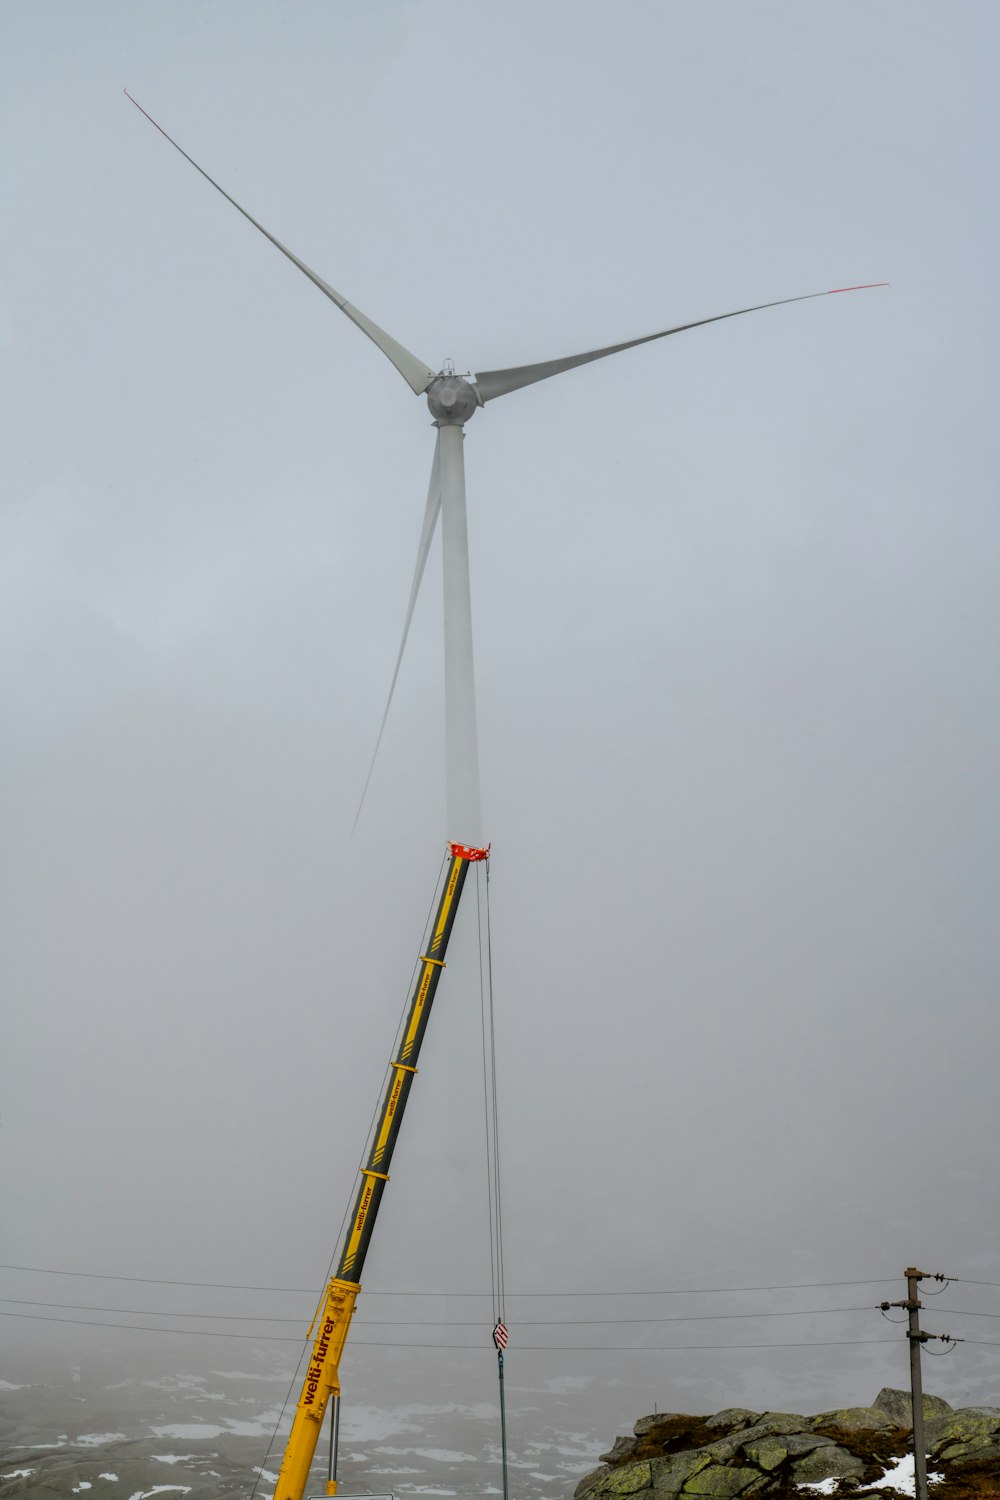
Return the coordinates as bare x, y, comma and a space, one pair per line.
500, 1336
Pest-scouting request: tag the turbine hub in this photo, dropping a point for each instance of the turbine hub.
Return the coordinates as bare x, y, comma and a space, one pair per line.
452, 400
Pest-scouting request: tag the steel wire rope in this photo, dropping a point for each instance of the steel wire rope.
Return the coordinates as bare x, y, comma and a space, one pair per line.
490, 1112
353, 1188
496, 1123
486, 1104
674, 1291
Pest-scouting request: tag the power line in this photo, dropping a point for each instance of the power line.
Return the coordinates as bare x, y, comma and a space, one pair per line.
149, 1312
209, 1333
958, 1312
789, 1286
206, 1333
309, 1291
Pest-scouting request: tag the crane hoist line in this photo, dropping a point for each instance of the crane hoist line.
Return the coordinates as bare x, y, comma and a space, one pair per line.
322, 1379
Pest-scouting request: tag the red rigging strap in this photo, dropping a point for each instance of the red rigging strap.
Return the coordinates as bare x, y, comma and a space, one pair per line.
465, 851
867, 286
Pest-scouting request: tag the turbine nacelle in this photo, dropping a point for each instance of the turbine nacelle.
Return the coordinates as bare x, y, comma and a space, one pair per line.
452, 400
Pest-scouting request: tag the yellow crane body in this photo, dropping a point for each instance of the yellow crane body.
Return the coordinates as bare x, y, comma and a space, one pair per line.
322, 1381
322, 1378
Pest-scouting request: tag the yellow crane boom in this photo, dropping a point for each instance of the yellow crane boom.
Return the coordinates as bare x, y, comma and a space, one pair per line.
322, 1378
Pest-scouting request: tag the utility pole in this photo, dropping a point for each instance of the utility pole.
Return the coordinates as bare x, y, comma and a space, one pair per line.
915, 1337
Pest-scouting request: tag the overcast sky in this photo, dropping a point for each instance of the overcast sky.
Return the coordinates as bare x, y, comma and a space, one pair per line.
736, 618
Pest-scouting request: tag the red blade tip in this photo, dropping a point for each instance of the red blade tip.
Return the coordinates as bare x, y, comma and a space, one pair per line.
867, 287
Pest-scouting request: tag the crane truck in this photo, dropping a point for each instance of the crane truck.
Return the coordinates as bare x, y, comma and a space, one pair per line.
322, 1379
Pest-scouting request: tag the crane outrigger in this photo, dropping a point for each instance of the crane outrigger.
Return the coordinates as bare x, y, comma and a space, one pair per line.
322, 1377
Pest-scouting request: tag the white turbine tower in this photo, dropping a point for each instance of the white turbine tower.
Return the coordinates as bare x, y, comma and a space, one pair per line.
453, 400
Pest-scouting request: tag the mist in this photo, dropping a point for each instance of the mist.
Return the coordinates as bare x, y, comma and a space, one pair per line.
735, 609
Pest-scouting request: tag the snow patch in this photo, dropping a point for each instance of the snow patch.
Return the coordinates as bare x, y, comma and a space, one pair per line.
172, 1458
901, 1477
7, 1385
440, 1455
17, 1474
113, 1477
98, 1439
158, 1489
84, 1484
236, 1428
262, 1427
187, 1430
582, 1449
434, 1455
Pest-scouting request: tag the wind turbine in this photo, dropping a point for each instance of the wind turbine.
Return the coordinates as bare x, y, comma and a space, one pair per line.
453, 400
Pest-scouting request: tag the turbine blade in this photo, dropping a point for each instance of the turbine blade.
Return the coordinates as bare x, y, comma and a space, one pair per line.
431, 511
414, 371
493, 383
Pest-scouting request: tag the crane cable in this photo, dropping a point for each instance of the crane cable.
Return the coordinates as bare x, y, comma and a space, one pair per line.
495, 1205
491, 1119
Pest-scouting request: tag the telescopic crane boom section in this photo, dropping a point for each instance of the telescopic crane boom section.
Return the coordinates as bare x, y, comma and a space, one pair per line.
322, 1379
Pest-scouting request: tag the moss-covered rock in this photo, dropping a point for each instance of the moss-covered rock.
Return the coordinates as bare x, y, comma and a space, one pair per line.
897, 1406
590, 1481
674, 1433
739, 1454
827, 1462
723, 1482
779, 1423
856, 1419
767, 1452
724, 1449
969, 1427
655, 1419
798, 1443
626, 1480
972, 1453
621, 1450
669, 1475
733, 1417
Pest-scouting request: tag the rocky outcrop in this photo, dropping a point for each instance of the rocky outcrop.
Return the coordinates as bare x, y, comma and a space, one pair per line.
972, 1434
738, 1452
897, 1405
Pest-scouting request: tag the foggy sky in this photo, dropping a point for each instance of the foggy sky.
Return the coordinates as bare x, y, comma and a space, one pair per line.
736, 622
